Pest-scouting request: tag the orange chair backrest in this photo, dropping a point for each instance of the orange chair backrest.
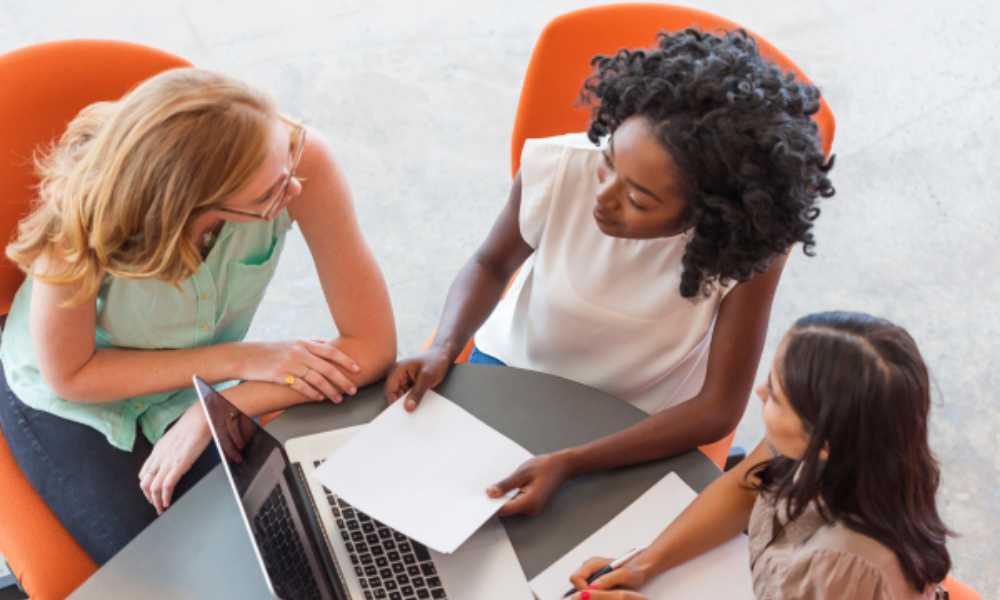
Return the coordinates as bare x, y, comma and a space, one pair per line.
958, 590
560, 63
44, 87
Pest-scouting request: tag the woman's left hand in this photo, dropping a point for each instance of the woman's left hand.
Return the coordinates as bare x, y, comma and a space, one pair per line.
172, 457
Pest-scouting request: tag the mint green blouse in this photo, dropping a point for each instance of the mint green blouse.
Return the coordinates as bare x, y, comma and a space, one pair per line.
213, 306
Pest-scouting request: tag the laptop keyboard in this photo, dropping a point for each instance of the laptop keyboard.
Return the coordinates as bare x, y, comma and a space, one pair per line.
282, 550
389, 565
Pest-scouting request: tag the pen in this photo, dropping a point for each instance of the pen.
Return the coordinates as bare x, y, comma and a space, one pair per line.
608, 568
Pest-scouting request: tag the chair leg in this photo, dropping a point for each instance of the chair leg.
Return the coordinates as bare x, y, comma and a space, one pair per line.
735, 456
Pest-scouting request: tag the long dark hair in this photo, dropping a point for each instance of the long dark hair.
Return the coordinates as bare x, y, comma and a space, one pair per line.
861, 389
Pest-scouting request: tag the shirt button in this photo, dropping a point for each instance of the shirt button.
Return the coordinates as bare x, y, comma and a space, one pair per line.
140, 406
204, 327
205, 296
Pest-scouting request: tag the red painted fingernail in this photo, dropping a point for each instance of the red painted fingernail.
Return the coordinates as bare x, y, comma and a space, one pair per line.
585, 595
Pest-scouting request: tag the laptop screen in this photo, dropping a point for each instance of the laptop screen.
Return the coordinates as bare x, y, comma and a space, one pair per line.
264, 484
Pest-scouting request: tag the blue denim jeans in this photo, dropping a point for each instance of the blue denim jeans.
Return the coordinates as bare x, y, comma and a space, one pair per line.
481, 358
91, 486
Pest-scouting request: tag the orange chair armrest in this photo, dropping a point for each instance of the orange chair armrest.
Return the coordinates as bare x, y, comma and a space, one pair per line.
43, 556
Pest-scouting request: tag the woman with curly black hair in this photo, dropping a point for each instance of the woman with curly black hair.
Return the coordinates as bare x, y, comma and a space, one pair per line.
649, 249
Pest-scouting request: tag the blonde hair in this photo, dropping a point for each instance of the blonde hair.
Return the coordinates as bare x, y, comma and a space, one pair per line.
118, 191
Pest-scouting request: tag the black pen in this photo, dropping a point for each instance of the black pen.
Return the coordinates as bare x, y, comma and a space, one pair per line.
608, 568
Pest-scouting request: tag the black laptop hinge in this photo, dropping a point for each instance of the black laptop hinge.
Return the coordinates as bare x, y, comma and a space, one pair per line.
326, 550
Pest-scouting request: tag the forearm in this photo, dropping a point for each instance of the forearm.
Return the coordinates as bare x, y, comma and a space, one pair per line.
253, 398
256, 398
112, 374
669, 432
471, 298
718, 514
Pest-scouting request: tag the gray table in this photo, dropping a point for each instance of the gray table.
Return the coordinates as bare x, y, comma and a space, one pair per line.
199, 548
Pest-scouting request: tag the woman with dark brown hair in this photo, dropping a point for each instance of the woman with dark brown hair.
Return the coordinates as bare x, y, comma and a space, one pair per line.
839, 498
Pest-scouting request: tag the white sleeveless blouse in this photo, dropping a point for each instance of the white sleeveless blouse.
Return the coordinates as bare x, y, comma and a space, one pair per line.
604, 311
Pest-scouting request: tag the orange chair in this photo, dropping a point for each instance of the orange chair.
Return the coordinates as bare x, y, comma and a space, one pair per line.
560, 63
44, 87
958, 590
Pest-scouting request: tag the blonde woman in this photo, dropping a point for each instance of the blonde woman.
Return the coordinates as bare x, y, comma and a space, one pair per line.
159, 223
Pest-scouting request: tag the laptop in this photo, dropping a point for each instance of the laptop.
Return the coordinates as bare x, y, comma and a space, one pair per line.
310, 544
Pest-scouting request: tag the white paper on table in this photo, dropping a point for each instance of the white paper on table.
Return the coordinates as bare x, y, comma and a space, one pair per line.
424, 473
721, 573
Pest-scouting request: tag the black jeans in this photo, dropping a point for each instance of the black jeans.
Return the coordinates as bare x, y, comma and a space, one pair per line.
91, 486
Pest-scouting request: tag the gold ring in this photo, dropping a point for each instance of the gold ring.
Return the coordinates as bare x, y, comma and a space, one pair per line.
289, 379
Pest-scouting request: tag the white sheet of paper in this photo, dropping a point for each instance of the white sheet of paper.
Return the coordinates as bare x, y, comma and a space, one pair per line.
424, 473
721, 573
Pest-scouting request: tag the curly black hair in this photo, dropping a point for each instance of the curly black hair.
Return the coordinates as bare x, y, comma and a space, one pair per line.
740, 128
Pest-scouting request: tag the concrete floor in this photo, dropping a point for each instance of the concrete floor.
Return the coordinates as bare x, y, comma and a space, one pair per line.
418, 99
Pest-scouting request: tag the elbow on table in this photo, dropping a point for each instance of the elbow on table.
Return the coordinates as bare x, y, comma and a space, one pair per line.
381, 355
385, 357
717, 425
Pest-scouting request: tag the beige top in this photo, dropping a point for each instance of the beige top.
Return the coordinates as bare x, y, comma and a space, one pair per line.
600, 310
812, 559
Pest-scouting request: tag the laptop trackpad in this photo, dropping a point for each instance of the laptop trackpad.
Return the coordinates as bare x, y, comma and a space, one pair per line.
485, 567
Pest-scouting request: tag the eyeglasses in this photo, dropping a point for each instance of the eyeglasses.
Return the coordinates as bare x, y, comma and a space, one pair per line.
296, 146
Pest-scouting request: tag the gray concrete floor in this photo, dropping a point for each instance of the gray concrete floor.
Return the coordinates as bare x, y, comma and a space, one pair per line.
418, 99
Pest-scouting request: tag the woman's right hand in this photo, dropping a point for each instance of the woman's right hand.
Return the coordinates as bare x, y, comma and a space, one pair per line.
316, 369
416, 375
537, 480
629, 576
607, 595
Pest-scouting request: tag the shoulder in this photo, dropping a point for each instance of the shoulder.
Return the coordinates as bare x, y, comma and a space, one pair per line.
318, 163
547, 160
318, 153
829, 573
51, 269
556, 146
760, 287
49, 264
571, 141
836, 537
841, 562
324, 186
